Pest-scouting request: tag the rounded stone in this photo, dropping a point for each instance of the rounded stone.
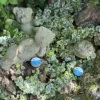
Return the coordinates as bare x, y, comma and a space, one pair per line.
78, 71
84, 49
36, 62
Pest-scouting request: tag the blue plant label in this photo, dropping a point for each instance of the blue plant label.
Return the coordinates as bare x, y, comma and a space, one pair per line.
36, 62
78, 71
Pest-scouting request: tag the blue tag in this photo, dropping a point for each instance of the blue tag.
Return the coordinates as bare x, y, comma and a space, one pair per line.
36, 62
78, 71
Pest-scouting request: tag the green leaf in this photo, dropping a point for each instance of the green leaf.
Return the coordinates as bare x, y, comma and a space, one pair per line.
27, 77
48, 89
13, 1
3, 1
23, 97
18, 65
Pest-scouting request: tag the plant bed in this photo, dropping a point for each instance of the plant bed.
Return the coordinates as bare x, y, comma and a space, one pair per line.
64, 35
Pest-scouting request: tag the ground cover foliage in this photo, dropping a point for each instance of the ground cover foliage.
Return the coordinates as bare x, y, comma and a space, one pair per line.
54, 79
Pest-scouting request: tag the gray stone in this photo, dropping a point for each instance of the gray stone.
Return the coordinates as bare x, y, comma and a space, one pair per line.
44, 37
90, 15
84, 49
25, 18
28, 48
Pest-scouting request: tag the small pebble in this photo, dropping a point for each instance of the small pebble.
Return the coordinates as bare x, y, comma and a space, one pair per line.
78, 71
36, 62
